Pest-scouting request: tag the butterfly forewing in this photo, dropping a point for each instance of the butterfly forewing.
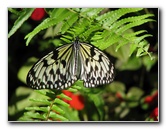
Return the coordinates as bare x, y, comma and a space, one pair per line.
60, 68
96, 66
53, 71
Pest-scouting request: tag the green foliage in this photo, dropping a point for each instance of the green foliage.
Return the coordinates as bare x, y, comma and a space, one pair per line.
49, 109
110, 30
23, 16
103, 30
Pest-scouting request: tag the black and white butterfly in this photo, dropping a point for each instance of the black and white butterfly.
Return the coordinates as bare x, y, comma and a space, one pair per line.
63, 66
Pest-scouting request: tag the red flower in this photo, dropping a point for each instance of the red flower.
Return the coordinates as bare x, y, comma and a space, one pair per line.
154, 114
119, 96
155, 95
77, 101
151, 98
38, 14
68, 93
148, 99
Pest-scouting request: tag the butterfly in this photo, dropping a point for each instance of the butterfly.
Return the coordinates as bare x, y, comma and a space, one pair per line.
63, 66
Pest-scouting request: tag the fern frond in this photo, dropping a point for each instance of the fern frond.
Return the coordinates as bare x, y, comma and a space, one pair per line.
88, 22
49, 109
109, 18
23, 16
90, 12
52, 21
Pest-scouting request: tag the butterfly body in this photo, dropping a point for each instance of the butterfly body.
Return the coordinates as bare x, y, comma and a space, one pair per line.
60, 68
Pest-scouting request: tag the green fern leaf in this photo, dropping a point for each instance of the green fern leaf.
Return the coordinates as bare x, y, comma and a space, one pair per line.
90, 12
57, 116
43, 101
55, 13
44, 109
111, 17
23, 16
35, 115
58, 109
59, 101
71, 20
45, 24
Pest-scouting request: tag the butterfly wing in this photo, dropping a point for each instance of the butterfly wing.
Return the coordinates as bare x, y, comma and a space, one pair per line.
53, 71
96, 67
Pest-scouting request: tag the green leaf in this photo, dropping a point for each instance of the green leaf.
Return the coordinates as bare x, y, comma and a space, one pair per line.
63, 96
124, 112
45, 24
43, 101
71, 20
24, 15
19, 100
113, 16
134, 93
58, 109
122, 54
35, 115
148, 62
132, 63
23, 71
53, 20
70, 113
61, 102
114, 28
44, 109
116, 86
90, 12
43, 112
72, 89
125, 21
134, 40
14, 11
57, 12
42, 91
131, 25
57, 116
99, 103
